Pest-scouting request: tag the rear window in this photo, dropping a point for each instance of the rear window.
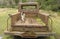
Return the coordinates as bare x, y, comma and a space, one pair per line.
29, 7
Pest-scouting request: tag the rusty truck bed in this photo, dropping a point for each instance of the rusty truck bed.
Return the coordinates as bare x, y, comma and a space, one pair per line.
28, 22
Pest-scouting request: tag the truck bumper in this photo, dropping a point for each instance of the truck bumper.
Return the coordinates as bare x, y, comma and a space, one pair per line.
37, 34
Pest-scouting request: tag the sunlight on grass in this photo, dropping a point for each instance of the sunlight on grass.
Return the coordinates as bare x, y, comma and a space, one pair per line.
56, 24
3, 19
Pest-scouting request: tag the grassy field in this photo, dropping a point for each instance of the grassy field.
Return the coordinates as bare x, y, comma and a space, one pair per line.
5, 11
3, 18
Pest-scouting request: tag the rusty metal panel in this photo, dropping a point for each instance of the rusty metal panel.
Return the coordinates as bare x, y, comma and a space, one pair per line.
30, 28
15, 18
44, 17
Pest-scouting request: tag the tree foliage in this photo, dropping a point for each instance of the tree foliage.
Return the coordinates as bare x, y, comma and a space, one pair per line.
50, 4
53, 5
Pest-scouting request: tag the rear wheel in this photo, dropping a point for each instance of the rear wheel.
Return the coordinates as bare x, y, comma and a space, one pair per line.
43, 37
17, 37
29, 38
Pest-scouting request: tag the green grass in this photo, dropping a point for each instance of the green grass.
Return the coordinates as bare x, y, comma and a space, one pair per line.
4, 15
3, 18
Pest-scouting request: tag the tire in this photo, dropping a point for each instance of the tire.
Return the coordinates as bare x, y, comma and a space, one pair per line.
17, 37
41, 37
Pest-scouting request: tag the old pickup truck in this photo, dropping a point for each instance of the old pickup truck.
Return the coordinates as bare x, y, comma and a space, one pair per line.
25, 24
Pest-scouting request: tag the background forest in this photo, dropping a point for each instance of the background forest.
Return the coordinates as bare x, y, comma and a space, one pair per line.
53, 5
